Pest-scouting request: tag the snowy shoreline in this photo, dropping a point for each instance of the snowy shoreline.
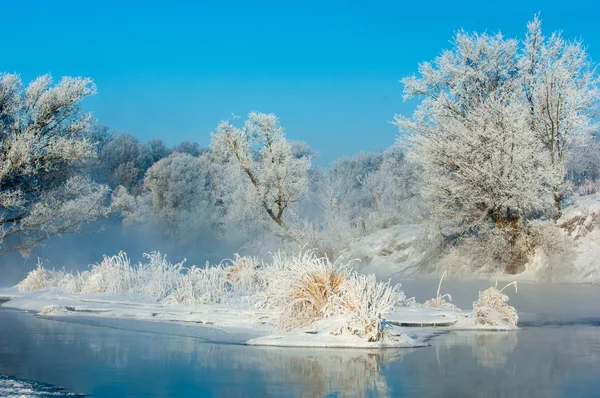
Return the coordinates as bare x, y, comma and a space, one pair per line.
228, 325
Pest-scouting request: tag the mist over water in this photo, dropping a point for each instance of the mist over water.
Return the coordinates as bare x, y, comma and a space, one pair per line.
78, 252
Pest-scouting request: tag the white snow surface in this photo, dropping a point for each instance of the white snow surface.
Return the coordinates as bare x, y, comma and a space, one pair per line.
387, 251
396, 251
218, 323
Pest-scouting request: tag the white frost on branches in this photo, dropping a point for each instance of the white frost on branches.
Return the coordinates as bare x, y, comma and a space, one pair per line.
266, 175
495, 122
43, 134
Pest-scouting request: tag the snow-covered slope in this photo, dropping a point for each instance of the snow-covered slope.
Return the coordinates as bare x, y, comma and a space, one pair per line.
399, 250
387, 252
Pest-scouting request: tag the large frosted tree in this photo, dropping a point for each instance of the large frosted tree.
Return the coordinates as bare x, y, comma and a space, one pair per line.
43, 138
490, 168
561, 91
266, 175
488, 110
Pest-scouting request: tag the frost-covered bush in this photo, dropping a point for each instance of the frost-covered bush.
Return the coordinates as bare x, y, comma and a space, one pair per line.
366, 301
305, 288
40, 278
512, 250
206, 285
492, 309
302, 287
237, 281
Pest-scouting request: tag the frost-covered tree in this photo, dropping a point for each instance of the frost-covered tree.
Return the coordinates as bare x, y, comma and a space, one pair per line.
181, 197
489, 168
267, 174
395, 190
191, 148
552, 80
460, 79
44, 134
561, 88
343, 195
124, 161
583, 163
157, 150
455, 143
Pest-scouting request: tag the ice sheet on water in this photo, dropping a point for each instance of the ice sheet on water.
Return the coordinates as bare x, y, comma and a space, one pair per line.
11, 387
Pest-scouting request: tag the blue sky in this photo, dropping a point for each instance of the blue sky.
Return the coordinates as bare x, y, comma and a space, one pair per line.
329, 70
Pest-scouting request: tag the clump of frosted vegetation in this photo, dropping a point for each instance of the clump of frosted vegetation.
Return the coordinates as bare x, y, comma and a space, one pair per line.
41, 278
300, 289
234, 281
367, 300
307, 287
440, 301
492, 309
303, 286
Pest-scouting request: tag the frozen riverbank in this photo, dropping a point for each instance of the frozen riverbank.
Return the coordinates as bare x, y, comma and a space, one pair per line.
404, 326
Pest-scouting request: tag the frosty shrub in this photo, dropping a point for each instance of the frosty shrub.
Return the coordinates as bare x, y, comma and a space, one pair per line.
206, 285
492, 309
302, 287
245, 274
503, 250
306, 288
510, 250
39, 278
367, 301
554, 250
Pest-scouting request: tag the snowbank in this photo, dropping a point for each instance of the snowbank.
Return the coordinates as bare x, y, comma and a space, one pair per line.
301, 300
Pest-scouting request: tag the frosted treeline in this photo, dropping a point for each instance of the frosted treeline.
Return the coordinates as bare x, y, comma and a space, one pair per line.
504, 134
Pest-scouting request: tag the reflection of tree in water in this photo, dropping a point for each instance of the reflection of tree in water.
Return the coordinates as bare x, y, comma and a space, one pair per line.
326, 371
312, 372
105, 357
492, 348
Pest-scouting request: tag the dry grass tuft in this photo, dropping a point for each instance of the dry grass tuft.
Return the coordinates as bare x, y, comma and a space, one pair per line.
492, 308
302, 287
440, 301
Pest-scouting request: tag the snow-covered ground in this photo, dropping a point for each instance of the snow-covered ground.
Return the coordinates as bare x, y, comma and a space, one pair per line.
404, 326
401, 251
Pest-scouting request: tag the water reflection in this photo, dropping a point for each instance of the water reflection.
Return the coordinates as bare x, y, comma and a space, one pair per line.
109, 360
536, 361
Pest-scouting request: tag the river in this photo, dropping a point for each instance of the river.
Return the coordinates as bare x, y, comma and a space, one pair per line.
556, 353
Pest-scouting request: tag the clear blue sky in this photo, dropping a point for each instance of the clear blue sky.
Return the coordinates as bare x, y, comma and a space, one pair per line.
329, 70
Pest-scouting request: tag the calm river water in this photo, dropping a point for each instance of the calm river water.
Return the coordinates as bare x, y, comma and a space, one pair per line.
555, 354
